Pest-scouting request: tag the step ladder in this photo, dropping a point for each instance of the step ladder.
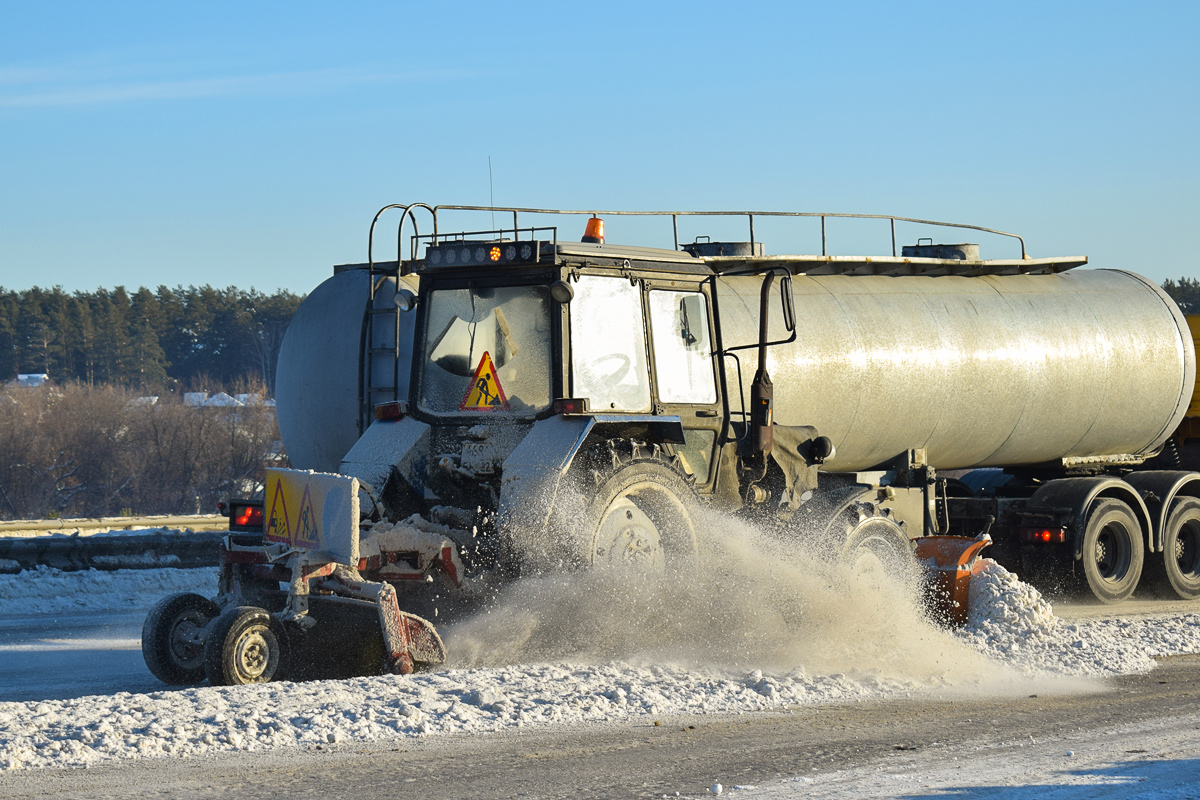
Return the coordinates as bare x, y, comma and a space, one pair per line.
380, 354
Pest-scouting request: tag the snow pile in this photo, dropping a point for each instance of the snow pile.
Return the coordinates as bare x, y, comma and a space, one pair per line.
1012, 623
91, 730
46, 590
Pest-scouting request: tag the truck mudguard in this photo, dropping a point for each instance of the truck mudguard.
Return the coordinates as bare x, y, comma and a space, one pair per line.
401, 445
1078, 494
1159, 487
534, 470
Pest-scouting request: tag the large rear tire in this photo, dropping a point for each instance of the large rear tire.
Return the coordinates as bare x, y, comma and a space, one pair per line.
173, 638
636, 514
1113, 551
1176, 570
246, 645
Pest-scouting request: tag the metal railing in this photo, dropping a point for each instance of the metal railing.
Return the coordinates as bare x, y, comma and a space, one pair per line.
25, 528
749, 215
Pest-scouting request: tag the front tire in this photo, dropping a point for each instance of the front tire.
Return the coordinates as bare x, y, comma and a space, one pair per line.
1112, 552
173, 638
246, 646
874, 543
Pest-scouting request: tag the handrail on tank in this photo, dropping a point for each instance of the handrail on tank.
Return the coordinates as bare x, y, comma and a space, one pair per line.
408, 211
750, 215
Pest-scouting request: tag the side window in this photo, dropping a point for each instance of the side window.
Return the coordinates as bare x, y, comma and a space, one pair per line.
682, 356
608, 345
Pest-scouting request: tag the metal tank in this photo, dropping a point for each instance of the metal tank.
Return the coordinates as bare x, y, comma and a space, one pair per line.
980, 371
320, 366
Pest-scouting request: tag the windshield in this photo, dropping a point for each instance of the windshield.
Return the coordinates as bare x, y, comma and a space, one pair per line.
487, 350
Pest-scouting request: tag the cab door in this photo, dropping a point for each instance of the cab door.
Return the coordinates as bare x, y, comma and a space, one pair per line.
684, 370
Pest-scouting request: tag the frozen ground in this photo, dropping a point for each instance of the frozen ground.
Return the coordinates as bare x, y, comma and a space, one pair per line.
538, 678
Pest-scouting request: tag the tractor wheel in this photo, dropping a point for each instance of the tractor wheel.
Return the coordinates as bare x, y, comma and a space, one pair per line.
637, 512
1112, 552
173, 638
873, 543
1176, 570
246, 645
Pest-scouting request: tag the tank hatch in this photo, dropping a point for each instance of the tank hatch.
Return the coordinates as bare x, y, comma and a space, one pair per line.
703, 248
925, 248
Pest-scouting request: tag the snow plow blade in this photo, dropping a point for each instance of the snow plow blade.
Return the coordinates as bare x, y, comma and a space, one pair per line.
949, 563
424, 645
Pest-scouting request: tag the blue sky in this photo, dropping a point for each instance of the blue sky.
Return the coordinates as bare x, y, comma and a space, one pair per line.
250, 144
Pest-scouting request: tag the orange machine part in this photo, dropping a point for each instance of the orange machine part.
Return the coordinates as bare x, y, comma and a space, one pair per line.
950, 561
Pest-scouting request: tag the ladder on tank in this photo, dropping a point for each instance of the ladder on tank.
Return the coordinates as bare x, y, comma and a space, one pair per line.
379, 379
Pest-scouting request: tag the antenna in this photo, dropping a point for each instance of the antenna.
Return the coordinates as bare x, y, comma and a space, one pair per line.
491, 193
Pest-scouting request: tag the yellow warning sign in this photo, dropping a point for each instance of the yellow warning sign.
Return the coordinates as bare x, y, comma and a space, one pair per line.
278, 529
485, 393
291, 518
306, 523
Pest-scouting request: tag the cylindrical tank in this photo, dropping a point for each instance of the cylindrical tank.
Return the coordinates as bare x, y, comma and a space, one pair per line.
321, 364
980, 371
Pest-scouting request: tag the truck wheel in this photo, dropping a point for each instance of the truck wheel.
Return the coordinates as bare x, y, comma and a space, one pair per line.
874, 543
173, 638
245, 646
1112, 552
639, 516
1176, 571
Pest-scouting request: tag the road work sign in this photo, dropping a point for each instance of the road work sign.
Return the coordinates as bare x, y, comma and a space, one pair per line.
313, 511
485, 392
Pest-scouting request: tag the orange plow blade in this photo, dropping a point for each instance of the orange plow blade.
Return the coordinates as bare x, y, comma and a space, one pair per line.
949, 563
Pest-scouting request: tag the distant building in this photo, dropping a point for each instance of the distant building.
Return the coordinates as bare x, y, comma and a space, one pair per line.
220, 399
31, 379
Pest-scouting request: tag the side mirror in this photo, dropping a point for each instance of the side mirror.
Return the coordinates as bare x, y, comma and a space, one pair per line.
405, 300
789, 303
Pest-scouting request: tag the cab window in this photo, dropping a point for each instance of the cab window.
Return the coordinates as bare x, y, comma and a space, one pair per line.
682, 352
608, 345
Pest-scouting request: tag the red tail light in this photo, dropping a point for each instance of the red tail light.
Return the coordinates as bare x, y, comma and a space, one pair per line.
571, 405
1044, 535
390, 411
244, 517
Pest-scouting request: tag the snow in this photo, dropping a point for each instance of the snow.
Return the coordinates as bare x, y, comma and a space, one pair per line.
1012, 640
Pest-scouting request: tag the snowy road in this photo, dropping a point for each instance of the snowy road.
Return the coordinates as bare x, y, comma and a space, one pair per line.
1135, 739
860, 676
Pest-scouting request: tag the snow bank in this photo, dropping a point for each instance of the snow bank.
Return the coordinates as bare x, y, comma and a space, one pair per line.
558, 666
1012, 624
46, 590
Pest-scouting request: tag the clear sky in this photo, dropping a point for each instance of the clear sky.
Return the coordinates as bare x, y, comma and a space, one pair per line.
250, 144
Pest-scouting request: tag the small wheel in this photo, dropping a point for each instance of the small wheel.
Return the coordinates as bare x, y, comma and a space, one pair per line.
173, 638
1112, 552
1177, 568
245, 646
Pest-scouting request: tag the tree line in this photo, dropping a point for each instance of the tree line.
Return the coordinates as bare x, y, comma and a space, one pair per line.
91, 451
162, 339
1185, 292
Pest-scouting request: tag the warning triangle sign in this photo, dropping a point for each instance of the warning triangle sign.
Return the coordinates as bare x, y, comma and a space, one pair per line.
485, 392
306, 523
278, 526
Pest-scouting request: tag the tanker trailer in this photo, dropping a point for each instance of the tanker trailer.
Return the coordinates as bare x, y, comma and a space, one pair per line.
571, 404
